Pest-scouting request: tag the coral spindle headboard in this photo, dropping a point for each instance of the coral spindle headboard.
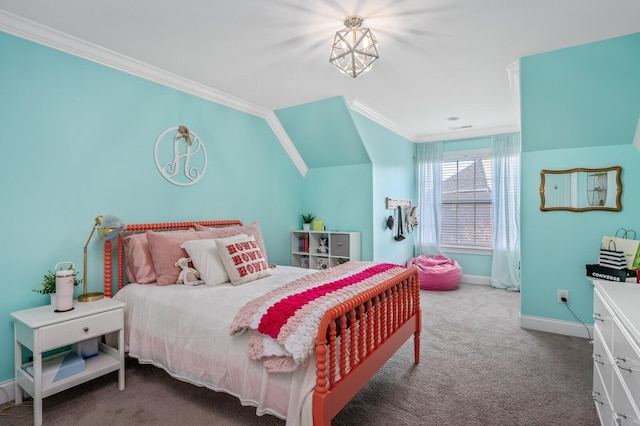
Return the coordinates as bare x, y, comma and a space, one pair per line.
140, 228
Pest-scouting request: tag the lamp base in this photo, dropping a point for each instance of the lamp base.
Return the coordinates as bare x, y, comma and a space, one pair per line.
90, 297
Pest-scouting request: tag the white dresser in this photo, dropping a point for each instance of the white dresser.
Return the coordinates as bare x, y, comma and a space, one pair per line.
616, 352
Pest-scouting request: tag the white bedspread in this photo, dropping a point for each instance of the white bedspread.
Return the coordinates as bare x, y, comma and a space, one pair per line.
185, 330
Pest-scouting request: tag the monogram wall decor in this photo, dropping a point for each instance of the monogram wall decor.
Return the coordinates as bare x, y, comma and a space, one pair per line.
180, 156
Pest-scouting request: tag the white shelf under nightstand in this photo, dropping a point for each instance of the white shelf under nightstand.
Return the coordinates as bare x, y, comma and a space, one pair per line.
41, 329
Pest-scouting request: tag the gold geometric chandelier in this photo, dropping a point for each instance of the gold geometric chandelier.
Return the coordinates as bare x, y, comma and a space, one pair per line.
355, 49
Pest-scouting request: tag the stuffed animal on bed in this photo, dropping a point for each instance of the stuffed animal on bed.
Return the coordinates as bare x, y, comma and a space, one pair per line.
188, 275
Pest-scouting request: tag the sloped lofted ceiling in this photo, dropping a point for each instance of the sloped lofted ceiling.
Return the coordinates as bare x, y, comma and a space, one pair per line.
324, 133
438, 58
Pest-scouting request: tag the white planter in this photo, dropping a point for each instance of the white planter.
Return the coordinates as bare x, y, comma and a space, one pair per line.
306, 226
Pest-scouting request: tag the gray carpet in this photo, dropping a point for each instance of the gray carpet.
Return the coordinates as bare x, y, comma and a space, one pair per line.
478, 367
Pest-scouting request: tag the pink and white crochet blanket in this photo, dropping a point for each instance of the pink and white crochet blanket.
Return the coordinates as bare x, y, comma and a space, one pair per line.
283, 323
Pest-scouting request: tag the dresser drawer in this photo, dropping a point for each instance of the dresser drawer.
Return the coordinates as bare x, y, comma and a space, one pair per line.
601, 398
627, 359
624, 412
602, 362
64, 333
603, 318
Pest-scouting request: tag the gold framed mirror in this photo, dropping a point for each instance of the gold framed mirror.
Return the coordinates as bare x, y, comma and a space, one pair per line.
579, 190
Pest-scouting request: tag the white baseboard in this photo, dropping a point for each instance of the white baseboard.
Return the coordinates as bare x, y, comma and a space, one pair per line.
7, 390
567, 328
476, 279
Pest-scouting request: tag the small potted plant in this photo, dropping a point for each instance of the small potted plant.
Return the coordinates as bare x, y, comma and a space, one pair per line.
307, 219
49, 285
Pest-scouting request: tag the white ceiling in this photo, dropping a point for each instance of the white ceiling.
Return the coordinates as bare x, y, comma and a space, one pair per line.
438, 58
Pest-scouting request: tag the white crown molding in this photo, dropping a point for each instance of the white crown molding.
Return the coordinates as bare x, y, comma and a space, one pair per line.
286, 142
361, 108
49, 37
513, 74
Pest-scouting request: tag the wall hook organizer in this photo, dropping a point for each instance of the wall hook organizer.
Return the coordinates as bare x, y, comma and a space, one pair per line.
394, 203
406, 224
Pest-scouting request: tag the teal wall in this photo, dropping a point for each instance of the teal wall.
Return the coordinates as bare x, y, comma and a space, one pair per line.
340, 196
579, 108
78, 142
392, 176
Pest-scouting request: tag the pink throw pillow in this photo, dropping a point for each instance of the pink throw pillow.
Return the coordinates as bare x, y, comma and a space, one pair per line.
138, 259
252, 229
165, 251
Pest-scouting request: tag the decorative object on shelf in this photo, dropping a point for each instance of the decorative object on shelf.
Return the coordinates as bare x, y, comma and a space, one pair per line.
65, 280
612, 258
355, 49
625, 241
108, 228
323, 245
49, 287
318, 225
183, 149
306, 221
323, 263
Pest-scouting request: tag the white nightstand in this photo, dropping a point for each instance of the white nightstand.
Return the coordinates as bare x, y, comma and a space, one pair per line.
41, 329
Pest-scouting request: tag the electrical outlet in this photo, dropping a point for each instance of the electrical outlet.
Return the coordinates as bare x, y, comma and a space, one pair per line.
563, 294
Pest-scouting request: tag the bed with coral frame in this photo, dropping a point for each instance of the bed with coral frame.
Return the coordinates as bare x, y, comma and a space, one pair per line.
339, 374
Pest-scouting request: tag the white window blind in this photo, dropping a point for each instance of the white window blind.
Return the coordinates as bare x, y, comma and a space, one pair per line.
467, 212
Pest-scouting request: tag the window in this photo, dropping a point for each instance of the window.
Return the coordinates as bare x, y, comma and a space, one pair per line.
467, 211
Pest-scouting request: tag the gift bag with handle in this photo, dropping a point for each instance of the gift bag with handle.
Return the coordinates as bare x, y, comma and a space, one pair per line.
625, 241
611, 257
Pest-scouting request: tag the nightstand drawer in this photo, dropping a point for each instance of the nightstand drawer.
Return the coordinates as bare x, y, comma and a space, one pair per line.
64, 333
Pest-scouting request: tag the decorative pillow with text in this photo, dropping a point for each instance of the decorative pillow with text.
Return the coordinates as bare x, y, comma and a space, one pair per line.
242, 259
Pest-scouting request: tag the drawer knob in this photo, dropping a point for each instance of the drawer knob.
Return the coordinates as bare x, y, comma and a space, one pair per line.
620, 361
595, 395
85, 329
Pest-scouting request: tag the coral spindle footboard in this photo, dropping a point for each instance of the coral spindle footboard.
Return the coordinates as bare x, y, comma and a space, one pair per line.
372, 325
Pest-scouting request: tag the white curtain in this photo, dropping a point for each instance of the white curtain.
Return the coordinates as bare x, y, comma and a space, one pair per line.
429, 186
505, 269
